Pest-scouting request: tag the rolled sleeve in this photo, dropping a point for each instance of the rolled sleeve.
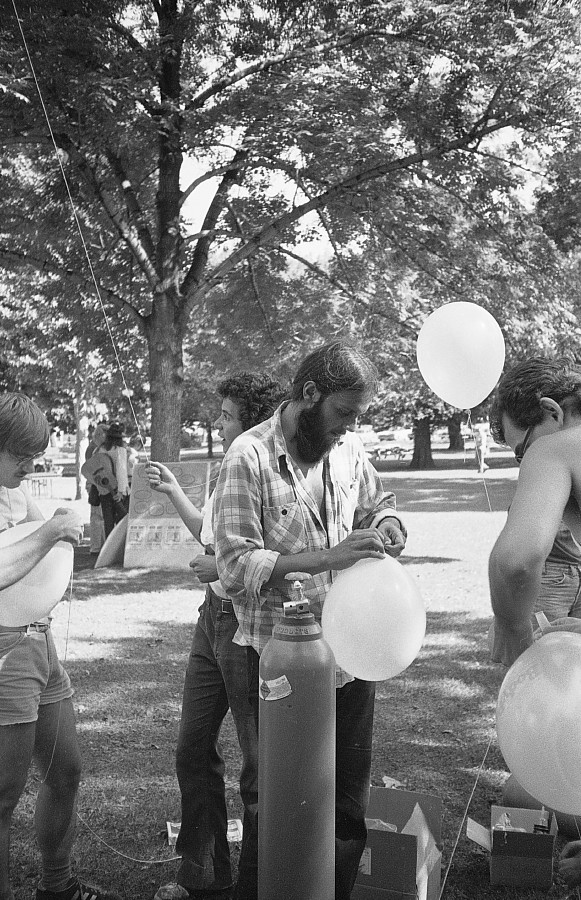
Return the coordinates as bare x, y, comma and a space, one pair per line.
242, 560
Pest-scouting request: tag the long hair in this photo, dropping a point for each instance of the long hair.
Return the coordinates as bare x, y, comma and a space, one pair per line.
334, 368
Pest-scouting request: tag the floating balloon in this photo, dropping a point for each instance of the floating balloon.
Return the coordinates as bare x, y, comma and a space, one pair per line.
460, 353
538, 720
374, 619
35, 595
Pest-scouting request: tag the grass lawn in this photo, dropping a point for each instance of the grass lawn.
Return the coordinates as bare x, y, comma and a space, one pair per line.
126, 636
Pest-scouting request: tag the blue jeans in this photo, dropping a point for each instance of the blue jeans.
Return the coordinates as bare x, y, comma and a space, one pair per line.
355, 706
560, 593
216, 679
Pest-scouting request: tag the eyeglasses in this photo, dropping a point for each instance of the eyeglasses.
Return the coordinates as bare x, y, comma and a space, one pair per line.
21, 460
521, 449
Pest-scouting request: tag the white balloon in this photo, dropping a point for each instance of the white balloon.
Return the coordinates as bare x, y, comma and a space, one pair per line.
374, 619
538, 720
460, 352
35, 595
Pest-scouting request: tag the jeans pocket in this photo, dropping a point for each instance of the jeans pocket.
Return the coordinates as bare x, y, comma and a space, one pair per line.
9, 640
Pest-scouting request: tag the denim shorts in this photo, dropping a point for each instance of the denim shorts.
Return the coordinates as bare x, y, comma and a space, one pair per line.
31, 675
560, 593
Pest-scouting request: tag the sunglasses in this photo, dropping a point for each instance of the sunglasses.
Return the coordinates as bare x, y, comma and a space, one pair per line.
521, 449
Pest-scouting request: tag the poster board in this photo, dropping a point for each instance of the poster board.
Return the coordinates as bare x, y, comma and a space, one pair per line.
156, 536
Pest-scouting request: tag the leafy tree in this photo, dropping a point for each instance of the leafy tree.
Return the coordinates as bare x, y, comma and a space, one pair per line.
280, 120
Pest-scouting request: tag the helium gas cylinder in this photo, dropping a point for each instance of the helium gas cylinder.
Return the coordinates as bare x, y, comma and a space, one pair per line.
296, 759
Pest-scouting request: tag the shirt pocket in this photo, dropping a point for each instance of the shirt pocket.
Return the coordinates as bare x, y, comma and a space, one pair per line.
284, 528
349, 500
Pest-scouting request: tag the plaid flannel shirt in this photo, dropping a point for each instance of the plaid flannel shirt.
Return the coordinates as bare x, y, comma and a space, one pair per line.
263, 508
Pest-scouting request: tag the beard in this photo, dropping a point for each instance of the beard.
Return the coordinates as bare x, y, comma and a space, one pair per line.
312, 442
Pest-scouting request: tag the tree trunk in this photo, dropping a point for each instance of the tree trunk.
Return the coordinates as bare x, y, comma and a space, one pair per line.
422, 456
455, 432
166, 376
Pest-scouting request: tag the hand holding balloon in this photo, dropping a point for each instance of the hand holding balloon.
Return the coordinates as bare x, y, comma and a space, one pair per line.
393, 537
35, 593
374, 619
363, 543
68, 525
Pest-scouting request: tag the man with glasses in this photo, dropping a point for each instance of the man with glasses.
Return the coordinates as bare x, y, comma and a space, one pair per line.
36, 712
535, 564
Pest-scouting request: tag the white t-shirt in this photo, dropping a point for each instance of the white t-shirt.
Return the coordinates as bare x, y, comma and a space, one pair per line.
207, 537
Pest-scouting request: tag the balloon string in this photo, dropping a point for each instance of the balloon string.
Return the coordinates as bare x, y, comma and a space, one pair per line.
461, 828
479, 458
126, 392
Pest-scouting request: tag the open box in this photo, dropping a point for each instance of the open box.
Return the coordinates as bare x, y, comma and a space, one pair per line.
517, 858
404, 862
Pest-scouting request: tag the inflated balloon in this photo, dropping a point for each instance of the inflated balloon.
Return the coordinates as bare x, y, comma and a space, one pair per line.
35, 595
374, 619
538, 720
460, 353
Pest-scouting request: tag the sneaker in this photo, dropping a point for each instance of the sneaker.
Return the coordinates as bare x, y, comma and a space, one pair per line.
76, 891
172, 891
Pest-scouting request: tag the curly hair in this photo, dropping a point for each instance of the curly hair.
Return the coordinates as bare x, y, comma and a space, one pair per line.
257, 396
520, 390
334, 368
24, 429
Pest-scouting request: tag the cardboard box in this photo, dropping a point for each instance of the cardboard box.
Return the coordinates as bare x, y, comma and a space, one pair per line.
402, 857
517, 858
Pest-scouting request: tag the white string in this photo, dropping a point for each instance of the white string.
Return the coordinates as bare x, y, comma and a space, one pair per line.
461, 828
126, 392
470, 424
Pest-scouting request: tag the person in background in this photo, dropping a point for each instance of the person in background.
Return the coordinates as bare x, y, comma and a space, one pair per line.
115, 505
216, 677
299, 494
481, 445
96, 524
36, 711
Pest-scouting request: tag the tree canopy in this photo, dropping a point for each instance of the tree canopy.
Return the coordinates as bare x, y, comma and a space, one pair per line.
208, 146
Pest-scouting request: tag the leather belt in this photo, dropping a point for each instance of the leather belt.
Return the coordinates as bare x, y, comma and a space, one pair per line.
33, 627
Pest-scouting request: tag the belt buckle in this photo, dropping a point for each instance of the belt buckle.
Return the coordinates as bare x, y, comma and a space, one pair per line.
228, 607
36, 628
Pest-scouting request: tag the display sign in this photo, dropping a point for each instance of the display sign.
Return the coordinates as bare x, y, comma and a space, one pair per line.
156, 536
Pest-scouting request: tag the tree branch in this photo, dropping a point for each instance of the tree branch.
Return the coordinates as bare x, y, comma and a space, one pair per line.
14, 259
273, 232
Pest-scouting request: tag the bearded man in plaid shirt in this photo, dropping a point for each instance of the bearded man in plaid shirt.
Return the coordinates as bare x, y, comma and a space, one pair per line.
297, 493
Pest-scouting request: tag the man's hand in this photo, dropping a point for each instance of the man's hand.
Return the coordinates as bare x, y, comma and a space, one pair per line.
363, 543
569, 866
205, 568
66, 525
160, 478
393, 536
564, 623
507, 642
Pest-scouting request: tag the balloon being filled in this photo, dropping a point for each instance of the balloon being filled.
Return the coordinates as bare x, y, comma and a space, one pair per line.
538, 720
35, 595
460, 353
374, 619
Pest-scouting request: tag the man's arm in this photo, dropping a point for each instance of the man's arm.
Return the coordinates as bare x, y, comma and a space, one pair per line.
162, 480
518, 556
